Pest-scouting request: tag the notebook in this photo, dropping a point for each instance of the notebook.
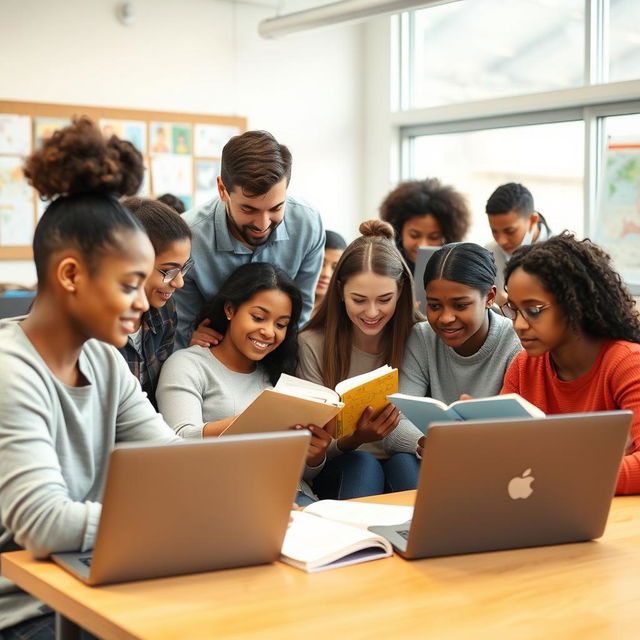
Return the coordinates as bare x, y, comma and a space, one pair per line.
490, 485
193, 506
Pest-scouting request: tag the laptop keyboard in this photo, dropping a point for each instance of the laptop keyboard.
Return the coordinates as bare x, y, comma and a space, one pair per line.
86, 560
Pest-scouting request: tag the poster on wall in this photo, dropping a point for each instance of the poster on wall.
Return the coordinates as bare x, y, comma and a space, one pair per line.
171, 173
167, 137
16, 204
15, 134
618, 220
207, 172
135, 131
210, 138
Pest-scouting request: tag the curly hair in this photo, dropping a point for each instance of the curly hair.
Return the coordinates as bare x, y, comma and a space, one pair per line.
586, 287
427, 197
84, 174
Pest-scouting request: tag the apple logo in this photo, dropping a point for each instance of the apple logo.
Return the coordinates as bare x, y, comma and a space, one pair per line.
520, 487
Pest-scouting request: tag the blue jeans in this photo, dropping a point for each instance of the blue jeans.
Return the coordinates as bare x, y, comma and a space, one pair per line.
356, 474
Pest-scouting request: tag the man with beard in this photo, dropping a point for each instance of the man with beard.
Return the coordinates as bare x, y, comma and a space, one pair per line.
252, 220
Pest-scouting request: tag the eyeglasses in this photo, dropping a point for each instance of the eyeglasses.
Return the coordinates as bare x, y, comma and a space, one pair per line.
529, 314
172, 274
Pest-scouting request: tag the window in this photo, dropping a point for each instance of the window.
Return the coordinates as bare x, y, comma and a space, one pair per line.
490, 48
547, 158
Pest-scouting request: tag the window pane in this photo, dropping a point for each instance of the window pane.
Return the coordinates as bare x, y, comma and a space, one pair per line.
467, 51
617, 226
547, 158
624, 40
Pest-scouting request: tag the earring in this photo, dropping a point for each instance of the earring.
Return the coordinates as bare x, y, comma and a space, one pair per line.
228, 317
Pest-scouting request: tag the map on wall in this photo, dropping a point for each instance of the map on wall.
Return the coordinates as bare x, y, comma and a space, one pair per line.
618, 224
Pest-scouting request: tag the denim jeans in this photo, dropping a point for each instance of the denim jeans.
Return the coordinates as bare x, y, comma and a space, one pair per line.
358, 473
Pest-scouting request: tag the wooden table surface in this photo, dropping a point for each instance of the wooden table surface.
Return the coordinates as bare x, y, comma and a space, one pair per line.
585, 590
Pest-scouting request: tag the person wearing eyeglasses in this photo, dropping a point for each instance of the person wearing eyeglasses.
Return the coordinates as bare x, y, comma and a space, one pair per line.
152, 341
252, 219
580, 331
465, 347
514, 223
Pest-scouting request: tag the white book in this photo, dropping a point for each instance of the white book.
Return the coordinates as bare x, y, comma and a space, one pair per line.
333, 533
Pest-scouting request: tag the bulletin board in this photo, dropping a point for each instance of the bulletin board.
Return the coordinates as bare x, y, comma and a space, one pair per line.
181, 153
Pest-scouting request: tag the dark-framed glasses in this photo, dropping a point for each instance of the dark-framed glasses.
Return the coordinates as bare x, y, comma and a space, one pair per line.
530, 314
172, 274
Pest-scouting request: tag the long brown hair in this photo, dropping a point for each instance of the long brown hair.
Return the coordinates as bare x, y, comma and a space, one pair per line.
373, 251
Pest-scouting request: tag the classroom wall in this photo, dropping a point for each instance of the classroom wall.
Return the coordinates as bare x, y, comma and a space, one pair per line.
201, 56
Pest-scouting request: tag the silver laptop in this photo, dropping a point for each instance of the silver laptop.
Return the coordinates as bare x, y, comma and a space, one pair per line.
424, 254
194, 506
489, 485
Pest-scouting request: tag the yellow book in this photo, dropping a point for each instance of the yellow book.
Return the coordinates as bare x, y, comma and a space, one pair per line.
367, 390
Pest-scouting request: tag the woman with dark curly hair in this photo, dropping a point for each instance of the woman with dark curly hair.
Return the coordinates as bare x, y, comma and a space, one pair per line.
425, 213
580, 332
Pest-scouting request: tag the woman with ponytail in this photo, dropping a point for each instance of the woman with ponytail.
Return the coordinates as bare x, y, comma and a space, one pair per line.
362, 323
67, 394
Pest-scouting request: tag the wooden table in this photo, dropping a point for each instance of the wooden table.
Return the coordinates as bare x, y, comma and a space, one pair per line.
585, 590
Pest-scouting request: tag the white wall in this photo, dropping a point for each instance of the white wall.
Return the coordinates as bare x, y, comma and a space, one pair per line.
201, 56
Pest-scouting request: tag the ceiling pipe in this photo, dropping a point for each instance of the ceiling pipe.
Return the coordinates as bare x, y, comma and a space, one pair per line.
338, 13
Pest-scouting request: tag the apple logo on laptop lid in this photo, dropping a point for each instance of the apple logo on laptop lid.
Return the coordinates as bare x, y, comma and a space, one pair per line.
520, 486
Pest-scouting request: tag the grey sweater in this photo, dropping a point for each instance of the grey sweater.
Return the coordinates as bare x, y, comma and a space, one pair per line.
195, 388
431, 368
54, 446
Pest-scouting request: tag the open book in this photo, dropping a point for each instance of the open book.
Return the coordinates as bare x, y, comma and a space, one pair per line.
333, 533
424, 411
295, 401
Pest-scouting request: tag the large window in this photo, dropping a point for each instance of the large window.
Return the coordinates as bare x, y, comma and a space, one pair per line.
540, 92
479, 49
549, 155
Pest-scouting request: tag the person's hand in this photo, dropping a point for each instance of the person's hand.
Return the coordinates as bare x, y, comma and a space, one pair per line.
320, 440
205, 336
420, 447
465, 396
370, 429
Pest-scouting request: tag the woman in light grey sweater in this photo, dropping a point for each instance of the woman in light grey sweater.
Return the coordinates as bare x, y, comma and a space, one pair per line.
202, 389
67, 397
464, 348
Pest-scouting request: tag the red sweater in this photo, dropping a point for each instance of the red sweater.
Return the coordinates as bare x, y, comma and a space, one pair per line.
612, 383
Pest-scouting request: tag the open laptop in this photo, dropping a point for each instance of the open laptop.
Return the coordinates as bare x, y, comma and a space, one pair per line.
194, 506
488, 485
424, 254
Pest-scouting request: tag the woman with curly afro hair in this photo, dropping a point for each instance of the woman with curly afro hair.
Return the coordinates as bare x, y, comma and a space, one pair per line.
580, 332
425, 213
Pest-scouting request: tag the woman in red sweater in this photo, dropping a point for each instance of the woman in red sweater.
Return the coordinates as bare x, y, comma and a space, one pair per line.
580, 331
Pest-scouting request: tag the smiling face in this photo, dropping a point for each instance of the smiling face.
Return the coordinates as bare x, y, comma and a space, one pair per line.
259, 325
509, 229
549, 330
108, 303
370, 301
421, 231
252, 219
158, 292
458, 314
